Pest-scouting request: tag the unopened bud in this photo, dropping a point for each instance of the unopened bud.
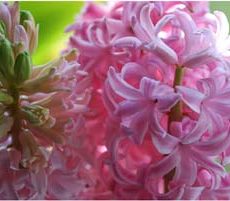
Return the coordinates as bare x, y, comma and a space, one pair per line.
28, 22
71, 55
6, 58
22, 67
5, 98
6, 123
36, 114
25, 15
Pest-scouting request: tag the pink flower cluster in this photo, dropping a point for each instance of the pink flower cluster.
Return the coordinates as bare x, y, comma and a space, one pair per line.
41, 111
159, 109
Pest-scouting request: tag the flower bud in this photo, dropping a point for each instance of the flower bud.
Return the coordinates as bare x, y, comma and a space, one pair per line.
22, 67
6, 58
36, 114
32, 155
28, 22
6, 123
2, 28
5, 16
32, 33
25, 15
5, 98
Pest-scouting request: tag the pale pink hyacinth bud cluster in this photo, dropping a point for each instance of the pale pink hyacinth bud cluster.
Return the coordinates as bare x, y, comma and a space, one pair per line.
158, 126
41, 109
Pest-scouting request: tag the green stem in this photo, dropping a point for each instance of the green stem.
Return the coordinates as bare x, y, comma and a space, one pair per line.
14, 108
174, 115
15, 131
176, 112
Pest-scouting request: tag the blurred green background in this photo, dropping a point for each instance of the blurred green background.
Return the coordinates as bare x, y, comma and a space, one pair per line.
54, 17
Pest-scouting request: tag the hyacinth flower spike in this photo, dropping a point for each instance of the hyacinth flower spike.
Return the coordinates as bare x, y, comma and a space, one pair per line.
167, 101
36, 106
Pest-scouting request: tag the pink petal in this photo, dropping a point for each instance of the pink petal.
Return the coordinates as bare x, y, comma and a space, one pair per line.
108, 98
64, 185
132, 70
139, 127
163, 94
174, 194
39, 181
161, 168
198, 58
186, 172
207, 86
207, 163
192, 193
223, 25
128, 41
97, 35
7, 191
191, 97
128, 108
162, 50
88, 48
156, 127
166, 144
92, 11
215, 121
200, 128
123, 176
188, 26
113, 25
147, 86
120, 174
145, 19
121, 87
214, 146
166, 102
220, 104
162, 22
223, 192
140, 33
